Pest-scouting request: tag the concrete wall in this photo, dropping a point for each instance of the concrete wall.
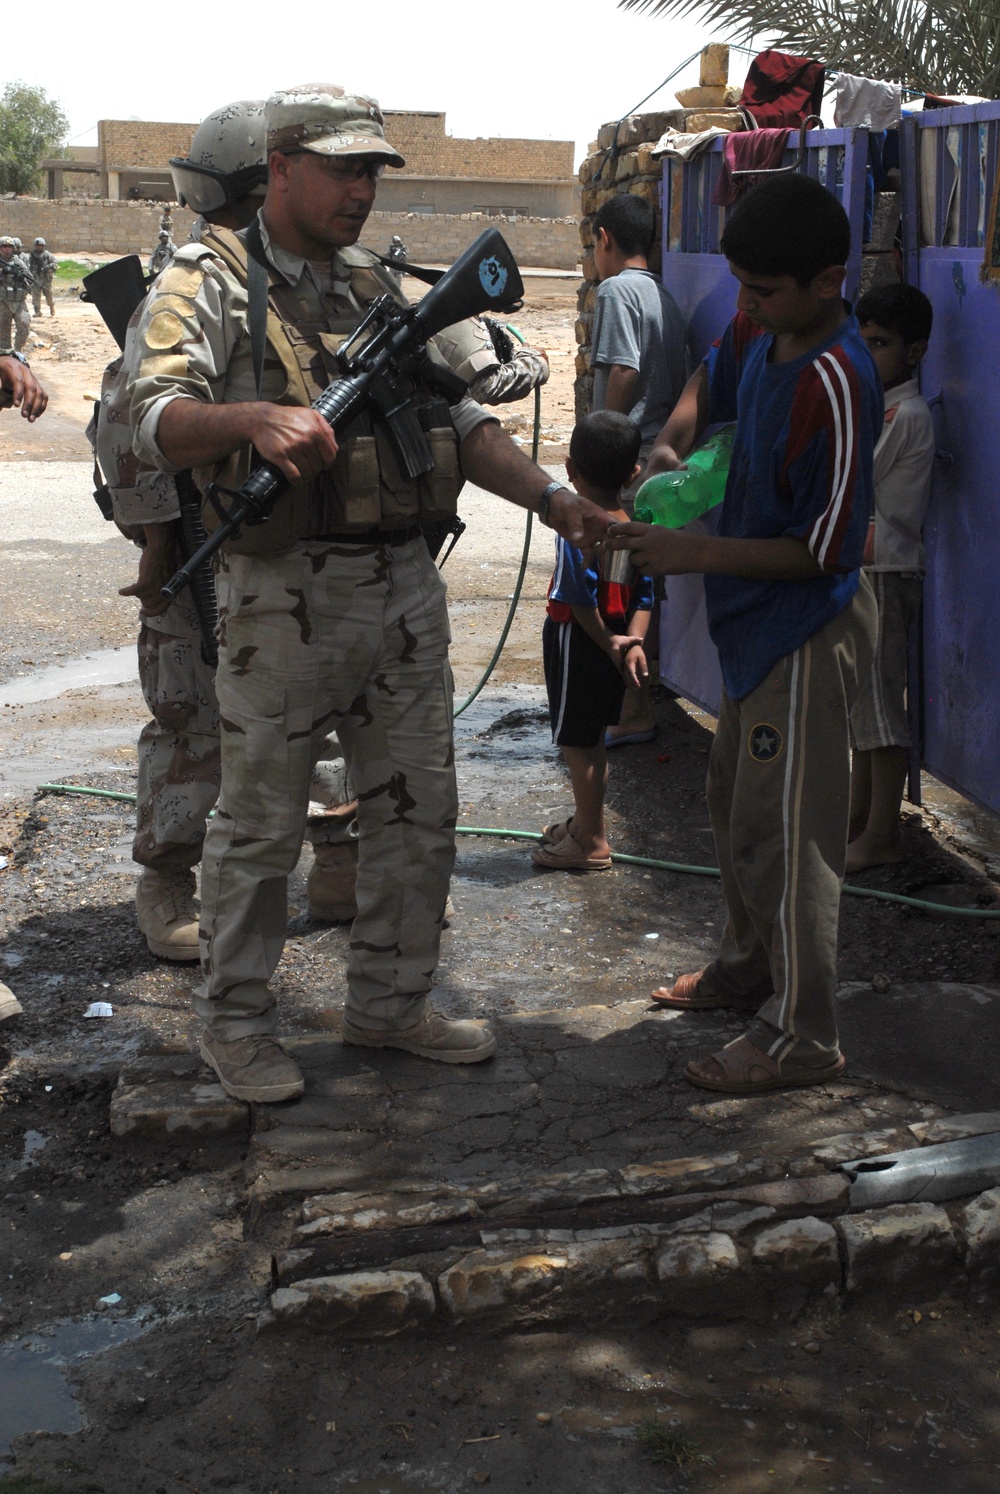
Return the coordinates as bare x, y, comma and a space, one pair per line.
400, 193
547, 243
89, 227
99, 227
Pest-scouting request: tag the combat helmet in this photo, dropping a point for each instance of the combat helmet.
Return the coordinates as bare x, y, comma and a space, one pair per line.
227, 160
39, 241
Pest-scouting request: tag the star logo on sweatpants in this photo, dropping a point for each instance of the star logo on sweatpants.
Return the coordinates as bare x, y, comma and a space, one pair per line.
765, 743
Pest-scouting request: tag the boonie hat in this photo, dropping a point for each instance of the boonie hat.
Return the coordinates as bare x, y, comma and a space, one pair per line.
327, 119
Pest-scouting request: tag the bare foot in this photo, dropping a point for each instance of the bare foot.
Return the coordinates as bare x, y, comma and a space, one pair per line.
861, 854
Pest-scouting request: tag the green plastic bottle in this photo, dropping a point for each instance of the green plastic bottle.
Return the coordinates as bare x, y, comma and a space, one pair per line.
675, 498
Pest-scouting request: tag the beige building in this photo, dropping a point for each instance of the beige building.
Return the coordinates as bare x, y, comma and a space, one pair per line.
443, 173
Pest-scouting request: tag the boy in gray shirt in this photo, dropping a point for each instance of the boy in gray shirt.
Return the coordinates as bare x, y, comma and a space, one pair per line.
639, 359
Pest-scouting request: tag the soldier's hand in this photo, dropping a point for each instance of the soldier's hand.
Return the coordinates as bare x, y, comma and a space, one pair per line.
579, 521
157, 563
23, 388
298, 442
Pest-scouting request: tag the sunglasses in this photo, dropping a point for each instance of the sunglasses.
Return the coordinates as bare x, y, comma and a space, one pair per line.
346, 168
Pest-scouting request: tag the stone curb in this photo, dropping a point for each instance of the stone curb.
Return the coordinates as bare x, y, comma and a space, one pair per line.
168, 1098
744, 1248
728, 1262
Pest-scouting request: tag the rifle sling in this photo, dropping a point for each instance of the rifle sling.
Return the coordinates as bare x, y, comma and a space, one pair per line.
258, 277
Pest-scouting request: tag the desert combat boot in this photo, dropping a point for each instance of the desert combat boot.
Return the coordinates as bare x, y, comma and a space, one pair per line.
256, 1068
166, 913
447, 1039
332, 883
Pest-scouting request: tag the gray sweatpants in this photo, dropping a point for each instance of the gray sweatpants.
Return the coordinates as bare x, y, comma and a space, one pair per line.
778, 797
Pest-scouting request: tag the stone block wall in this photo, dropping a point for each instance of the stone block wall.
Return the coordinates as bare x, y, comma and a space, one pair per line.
90, 226
420, 137
112, 228
137, 142
621, 162
546, 243
429, 151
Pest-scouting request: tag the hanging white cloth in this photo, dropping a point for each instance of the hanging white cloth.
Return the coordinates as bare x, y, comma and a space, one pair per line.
864, 103
674, 143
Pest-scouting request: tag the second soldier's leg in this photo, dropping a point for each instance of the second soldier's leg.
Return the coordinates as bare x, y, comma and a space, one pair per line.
48, 297
22, 321
179, 770
36, 299
332, 831
5, 325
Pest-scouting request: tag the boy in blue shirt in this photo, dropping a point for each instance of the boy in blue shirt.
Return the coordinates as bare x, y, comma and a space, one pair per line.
592, 645
792, 618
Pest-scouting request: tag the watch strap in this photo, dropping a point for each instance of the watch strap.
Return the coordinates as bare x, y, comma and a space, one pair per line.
545, 501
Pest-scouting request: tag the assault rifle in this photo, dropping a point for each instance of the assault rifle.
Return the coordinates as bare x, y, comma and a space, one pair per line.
382, 364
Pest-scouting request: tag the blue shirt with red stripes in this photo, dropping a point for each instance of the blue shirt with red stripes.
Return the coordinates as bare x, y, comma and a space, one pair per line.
574, 584
801, 466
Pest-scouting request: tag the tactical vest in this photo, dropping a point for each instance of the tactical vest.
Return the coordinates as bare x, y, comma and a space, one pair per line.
364, 489
15, 282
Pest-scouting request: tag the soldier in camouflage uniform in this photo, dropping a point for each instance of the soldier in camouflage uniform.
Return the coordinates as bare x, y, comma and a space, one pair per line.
179, 759
43, 266
15, 283
162, 254
332, 613
497, 372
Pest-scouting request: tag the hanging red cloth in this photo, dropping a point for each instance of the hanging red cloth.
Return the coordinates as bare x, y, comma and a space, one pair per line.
747, 150
782, 90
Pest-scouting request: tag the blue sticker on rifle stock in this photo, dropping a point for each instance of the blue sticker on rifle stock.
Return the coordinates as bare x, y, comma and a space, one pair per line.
493, 276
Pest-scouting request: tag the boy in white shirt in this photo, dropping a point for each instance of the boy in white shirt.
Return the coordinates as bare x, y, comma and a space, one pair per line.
896, 324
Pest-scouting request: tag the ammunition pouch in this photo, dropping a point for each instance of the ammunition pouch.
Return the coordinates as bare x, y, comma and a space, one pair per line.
364, 489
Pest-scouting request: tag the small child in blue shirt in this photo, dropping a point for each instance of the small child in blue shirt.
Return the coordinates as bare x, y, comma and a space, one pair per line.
592, 645
794, 622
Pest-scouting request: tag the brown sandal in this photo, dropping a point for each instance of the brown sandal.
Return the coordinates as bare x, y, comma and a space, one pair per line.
566, 855
741, 1068
684, 996
553, 834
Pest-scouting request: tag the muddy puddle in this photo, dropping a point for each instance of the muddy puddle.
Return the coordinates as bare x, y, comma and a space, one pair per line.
35, 1394
108, 666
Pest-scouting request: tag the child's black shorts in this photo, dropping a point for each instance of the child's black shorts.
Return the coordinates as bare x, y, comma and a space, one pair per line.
585, 689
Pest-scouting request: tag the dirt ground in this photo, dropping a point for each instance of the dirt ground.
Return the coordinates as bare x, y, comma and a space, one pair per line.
150, 1255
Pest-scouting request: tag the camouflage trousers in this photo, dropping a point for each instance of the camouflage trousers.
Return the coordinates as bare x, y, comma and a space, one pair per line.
40, 290
18, 313
179, 759
180, 764
320, 637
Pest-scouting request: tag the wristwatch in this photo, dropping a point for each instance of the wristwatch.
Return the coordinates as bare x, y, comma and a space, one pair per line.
545, 501
10, 353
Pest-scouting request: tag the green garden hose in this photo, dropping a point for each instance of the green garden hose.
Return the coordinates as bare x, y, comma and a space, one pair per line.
687, 868
516, 595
